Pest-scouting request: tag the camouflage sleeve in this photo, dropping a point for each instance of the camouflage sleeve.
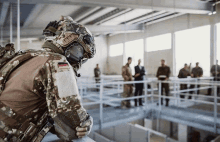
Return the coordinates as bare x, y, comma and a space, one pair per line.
124, 75
63, 99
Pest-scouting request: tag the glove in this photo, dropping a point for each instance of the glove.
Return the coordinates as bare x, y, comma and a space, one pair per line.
85, 127
64, 125
51, 29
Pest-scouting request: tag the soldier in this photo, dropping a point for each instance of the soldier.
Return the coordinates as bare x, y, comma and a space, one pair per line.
215, 71
97, 73
197, 72
183, 73
41, 93
128, 88
7, 51
163, 74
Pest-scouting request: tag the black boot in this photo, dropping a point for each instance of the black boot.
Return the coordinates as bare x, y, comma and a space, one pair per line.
140, 102
135, 102
167, 103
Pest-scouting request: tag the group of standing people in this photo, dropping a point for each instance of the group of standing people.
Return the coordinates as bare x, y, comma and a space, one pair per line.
163, 74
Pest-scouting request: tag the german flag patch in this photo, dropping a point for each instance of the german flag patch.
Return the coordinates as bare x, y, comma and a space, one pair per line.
63, 65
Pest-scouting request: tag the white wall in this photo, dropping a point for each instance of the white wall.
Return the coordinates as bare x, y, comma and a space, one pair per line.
100, 58
152, 59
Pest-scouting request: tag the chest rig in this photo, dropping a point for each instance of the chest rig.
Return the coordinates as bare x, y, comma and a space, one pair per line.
29, 127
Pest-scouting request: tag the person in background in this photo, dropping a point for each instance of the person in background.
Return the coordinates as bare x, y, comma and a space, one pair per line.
128, 88
97, 73
10, 50
139, 76
183, 73
163, 74
215, 71
197, 72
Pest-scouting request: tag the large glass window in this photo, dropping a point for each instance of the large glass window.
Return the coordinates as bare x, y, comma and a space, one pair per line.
161, 42
116, 50
134, 49
193, 46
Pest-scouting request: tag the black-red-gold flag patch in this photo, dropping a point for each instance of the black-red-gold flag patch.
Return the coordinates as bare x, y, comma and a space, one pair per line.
63, 65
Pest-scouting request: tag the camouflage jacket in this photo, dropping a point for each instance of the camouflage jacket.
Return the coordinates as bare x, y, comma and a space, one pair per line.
97, 72
45, 81
163, 72
126, 73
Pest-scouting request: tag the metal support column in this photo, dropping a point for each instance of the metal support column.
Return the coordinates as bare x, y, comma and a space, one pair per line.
175, 90
174, 54
145, 94
178, 93
215, 109
101, 105
152, 92
18, 25
160, 95
147, 138
11, 30
213, 49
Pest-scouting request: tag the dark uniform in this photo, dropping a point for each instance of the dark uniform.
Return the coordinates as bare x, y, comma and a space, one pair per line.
197, 72
183, 73
128, 88
163, 72
216, 76
139, 86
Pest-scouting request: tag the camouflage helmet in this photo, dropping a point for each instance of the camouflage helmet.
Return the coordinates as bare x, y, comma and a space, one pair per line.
69, 32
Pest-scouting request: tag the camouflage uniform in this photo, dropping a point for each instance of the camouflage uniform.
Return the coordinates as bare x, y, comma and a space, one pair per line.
97, 73
128, 88
43, 84
163, 72
9, 50
183, 73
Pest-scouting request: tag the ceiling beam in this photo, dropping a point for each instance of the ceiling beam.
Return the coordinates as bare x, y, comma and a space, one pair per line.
143, 17
4, 11
165, 18
182, 6
37, 32
84, 12
33, 15
155, 17
113, 13
97, 14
